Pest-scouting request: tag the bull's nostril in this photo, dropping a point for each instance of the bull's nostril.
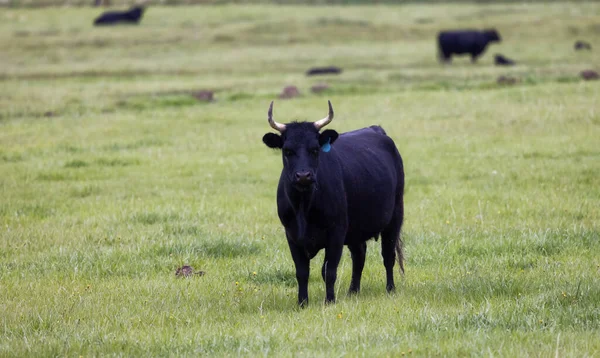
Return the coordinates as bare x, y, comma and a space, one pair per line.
303, 176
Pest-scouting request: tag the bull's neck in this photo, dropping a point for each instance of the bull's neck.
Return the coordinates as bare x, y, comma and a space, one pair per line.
301, 202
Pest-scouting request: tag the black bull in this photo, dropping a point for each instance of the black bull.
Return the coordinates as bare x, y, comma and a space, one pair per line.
338, 190
461, 42
131, 16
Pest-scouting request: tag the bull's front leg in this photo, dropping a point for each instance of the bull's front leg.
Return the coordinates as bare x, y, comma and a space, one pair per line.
302, 263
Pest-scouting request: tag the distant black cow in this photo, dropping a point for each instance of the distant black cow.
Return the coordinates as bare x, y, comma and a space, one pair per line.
324, 71
500, 60
337, 190
582, 45
465, 42
131, 16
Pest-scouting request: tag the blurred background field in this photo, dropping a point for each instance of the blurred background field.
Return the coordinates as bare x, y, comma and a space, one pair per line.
43, 3
112, 175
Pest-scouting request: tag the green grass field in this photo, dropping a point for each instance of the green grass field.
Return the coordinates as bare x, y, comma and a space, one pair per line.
112, 175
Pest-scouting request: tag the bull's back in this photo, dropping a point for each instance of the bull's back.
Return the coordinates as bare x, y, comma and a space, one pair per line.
373, 178
459, 42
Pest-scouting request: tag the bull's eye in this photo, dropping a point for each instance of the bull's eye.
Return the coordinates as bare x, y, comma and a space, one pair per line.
288, 152
314, 152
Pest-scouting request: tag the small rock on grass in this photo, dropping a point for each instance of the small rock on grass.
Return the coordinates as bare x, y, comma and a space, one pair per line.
589, 75
187, 271
320, 87
289, 92
205, 96
328, 70
506, 80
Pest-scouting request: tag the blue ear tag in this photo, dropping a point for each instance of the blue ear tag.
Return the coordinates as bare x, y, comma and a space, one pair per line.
326, 147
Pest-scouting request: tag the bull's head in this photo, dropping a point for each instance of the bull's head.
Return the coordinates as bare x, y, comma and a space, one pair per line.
492, 35
301, 144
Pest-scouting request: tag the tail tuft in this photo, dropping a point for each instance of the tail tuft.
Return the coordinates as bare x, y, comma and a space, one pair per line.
400, 254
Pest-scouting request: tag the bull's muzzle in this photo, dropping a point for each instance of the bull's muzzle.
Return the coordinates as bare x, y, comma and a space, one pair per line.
304, 178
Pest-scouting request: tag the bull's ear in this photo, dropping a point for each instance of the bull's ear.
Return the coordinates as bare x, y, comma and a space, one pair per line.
273, 140
328, 136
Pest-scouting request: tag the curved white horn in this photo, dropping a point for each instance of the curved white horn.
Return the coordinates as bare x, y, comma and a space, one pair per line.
325, 121
277, 126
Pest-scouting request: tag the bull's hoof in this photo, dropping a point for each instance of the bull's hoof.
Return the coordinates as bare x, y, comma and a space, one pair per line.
390, 288
353, 290
302, 303
329, 301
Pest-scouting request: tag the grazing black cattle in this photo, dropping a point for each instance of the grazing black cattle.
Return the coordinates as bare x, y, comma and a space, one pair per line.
131, 16
500, 60
582, 45
331, 70
335, 190
465, 42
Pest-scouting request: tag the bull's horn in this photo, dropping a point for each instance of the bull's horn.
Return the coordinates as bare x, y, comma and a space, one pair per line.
325, 121
277, 126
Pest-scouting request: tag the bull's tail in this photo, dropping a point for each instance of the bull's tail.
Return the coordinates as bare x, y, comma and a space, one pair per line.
442, 58
400, 253
440, 55
399, 245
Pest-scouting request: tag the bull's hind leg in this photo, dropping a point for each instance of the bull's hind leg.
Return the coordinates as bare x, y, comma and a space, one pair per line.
445, 57
358, 253
391, 245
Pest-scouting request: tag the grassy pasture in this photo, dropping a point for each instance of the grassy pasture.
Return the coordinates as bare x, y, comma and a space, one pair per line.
125, 3
112, 175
